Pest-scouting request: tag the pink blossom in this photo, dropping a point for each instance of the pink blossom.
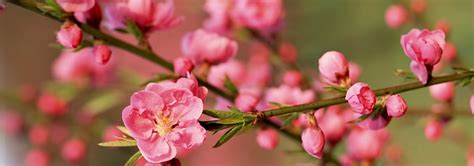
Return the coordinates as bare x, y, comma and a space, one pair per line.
91, 17
333, 67
203, 46
443, 25
37, 157
163, 117
418, 6
396, 106
376, 121
148, 15
73, 150
313, 141
233, 69
287, 52
472, 104
396, 16
38, 135
289, 95
261, 15
443, 92
58, 133
11, 123
182, 66
76, 5
365, 144
354, 72
333, 124
70, 35
259, 64
361, 98
80, 68
292, 78
424, 48
102, 54
246, 101
267, 138
111, 133
449, 52
434, 129
219, 18
51, 104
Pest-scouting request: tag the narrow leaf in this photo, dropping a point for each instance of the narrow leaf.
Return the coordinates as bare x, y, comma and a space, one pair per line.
132, 160
233, 109
124, 130
290, 119
228, 135
119, 143
213, 126
230, 85
223, 114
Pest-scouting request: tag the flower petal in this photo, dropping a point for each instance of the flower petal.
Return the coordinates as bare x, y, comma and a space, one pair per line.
188, 134
146, 100
420, 71
139, 125
157, 150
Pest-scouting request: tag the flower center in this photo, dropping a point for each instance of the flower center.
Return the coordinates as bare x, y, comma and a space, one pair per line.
163, 125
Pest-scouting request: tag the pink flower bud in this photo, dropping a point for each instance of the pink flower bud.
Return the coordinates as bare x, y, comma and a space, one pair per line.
73, 150
424, 48
443, 25
261, 15
102, 54
472, 104
418, 6
443, 92
313, 141
354, 72
288, 52
450, 52
333, 66
396, 106
246, 101
11, 123
202, 46
219, 17
111, 133
396, 16
292, 78
70, 35
182, 66
267, 138
37, 157
38, 135
434, 130
361, 98
76, 5
375, 122
91, 17
51, 105
235, 70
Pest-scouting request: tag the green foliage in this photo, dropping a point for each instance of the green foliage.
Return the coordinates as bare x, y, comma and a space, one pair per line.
119, 143
229, 85
290, 119
103, 101
133, 159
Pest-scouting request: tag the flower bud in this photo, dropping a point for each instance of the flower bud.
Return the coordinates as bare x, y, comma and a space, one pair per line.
267, 138
443, 25
102, 54
246, 101
354, 72
396, 16
396, 106
261, 15
449, 52
70, 35
434, 130
292, 78
202, 46
11, 123
418, 6
92, 17
472, 104
76, 5
313, 141
37, 157
182, 66
73, 150
111, 133
333, 66
288, 52
376, 122
38, 135
443, 92
51, 105
361, 98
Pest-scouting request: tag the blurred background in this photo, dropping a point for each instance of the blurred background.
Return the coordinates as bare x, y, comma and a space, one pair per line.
356, 28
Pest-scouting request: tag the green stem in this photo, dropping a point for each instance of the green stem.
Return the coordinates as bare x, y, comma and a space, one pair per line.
379, 92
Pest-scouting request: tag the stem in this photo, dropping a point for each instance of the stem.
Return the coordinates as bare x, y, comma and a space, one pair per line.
379, 92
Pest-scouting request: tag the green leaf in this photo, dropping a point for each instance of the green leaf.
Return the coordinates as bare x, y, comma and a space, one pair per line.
159, 78
230, 85
213, 126
119, 143
465, 81
103, 102
131, 161
228, 135
233, 109
124, 130
290, 119
223, 114
229, 121
275, 104
133, 29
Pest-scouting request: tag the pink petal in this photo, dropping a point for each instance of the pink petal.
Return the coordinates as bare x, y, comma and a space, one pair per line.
420, 71
157, 150
188, 134
160, 87
191, 110
139, 125
146, 101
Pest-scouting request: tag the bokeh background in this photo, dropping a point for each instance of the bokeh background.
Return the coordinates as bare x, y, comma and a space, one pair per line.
356, 28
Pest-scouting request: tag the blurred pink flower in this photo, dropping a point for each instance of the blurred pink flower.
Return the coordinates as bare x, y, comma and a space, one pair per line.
148, 15
58, 133
207, 47
292, 78
233, 69
396, 106
50, 104
28, 92
333, 124
91, 17
434, 129
246, 101
424, 48
38, 135
376, 121
289, 95
472, 104
470, 155
333, 67
111, 133
73, 150
260, 15
361, 98
366, 144
102, 53
76, 5
418, 6
163, 117
443, 92
354, 72
219, 17
288, 52
70, 35
313, 141
443, 25
182, 66
396, 16
37, 157
267, 138
449, 52
11, 123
